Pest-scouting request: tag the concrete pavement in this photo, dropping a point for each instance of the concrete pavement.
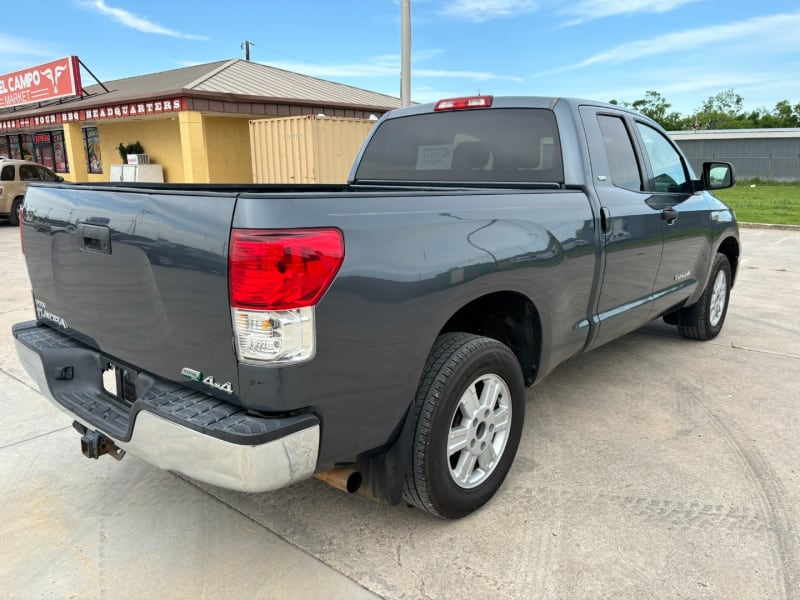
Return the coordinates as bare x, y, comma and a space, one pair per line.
653, 467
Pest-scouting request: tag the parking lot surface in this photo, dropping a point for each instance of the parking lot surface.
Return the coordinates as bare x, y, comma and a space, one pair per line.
652, 467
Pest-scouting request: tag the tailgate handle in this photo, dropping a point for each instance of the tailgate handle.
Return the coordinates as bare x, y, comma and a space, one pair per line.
94, 238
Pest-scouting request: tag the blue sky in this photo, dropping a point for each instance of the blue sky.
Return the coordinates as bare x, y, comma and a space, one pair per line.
687, 50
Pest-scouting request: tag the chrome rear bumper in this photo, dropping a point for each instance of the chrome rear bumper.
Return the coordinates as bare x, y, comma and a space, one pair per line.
171, 427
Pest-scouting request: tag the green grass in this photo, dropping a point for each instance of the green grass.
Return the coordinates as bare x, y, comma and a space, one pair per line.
776, 203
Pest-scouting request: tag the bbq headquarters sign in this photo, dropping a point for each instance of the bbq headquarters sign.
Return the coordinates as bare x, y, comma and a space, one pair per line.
56, 79
111, 111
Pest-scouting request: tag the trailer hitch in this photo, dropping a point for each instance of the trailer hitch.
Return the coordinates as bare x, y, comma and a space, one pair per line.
94, 444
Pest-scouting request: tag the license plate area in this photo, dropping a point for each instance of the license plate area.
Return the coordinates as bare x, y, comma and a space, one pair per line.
119, 383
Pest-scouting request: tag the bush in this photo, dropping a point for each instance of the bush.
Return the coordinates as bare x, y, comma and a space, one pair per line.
134, 148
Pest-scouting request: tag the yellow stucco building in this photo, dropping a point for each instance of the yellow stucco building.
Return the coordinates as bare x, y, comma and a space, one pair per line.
193, 121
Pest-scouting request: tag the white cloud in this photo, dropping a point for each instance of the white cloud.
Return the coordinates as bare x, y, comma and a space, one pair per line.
683, 82
473, 75
684, 86
485, 10
763, 30
588, 10
387, 65
128, 19
416, 56
424, 94
18, 53
17, 46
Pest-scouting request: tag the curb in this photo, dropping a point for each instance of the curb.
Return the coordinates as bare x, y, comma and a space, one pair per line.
769, 226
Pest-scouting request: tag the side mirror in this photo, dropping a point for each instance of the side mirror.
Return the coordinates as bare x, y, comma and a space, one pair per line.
717, 176
59, 179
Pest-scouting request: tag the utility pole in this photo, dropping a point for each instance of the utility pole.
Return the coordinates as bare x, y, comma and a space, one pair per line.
245, 45
405, 63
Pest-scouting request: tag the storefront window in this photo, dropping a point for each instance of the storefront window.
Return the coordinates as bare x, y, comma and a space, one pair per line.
60, 153
13, 147
43, 149
46, 148
26, 145
91, 148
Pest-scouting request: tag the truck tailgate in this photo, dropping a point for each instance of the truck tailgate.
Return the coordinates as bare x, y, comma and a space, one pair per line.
139, 275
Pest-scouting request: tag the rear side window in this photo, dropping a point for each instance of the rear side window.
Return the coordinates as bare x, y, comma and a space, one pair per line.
490, 145
28, 173
622, 165
7, 174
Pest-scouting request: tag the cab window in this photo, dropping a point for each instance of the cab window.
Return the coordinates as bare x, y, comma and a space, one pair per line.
7, 174
46, 174
622, 164
498, 145
669, 173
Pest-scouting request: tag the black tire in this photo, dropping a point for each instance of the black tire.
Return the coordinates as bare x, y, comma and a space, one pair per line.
13, 216
457, 362
704, 320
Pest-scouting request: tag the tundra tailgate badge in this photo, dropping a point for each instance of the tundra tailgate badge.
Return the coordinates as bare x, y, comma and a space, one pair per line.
43, 313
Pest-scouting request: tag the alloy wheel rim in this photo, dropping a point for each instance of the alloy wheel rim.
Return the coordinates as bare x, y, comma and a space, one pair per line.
719, 294
479, 431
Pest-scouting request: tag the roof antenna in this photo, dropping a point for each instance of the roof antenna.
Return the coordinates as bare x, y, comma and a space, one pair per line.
245, 45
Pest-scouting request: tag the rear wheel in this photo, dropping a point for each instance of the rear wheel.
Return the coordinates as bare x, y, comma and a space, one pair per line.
704, 320
469, 411
13, 217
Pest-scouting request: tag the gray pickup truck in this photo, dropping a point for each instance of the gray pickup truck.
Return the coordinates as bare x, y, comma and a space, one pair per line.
379, 335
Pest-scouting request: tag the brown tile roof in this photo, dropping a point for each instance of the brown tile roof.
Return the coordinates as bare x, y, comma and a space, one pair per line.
228, 78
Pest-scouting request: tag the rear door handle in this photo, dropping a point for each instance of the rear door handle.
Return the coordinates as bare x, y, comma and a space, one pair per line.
604, 216
669, 215
94, 238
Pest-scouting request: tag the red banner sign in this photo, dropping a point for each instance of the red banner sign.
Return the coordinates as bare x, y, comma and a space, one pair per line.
56, 79
111, 111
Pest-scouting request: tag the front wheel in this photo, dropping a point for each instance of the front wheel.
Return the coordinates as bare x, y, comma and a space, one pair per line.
704, 320
469, 410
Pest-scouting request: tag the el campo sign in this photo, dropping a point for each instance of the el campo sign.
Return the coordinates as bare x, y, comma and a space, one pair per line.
56, 79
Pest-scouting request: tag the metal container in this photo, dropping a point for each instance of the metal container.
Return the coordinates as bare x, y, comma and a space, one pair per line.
305, 149
138, 159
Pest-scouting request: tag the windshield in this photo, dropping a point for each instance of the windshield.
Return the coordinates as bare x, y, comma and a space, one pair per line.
489, 145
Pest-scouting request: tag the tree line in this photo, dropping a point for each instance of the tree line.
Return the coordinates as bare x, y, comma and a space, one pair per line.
724, 110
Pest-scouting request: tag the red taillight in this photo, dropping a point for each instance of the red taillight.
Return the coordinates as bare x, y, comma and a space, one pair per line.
282, 269
462, 103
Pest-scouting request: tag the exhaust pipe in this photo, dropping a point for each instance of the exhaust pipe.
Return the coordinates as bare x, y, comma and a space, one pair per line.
346, 479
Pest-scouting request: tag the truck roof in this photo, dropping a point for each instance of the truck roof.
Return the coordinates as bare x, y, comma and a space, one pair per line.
548, 102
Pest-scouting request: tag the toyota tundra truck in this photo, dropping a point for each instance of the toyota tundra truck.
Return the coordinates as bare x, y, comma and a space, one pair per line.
379, 335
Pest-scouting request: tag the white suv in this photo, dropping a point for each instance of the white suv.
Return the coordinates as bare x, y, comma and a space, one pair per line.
15, 175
